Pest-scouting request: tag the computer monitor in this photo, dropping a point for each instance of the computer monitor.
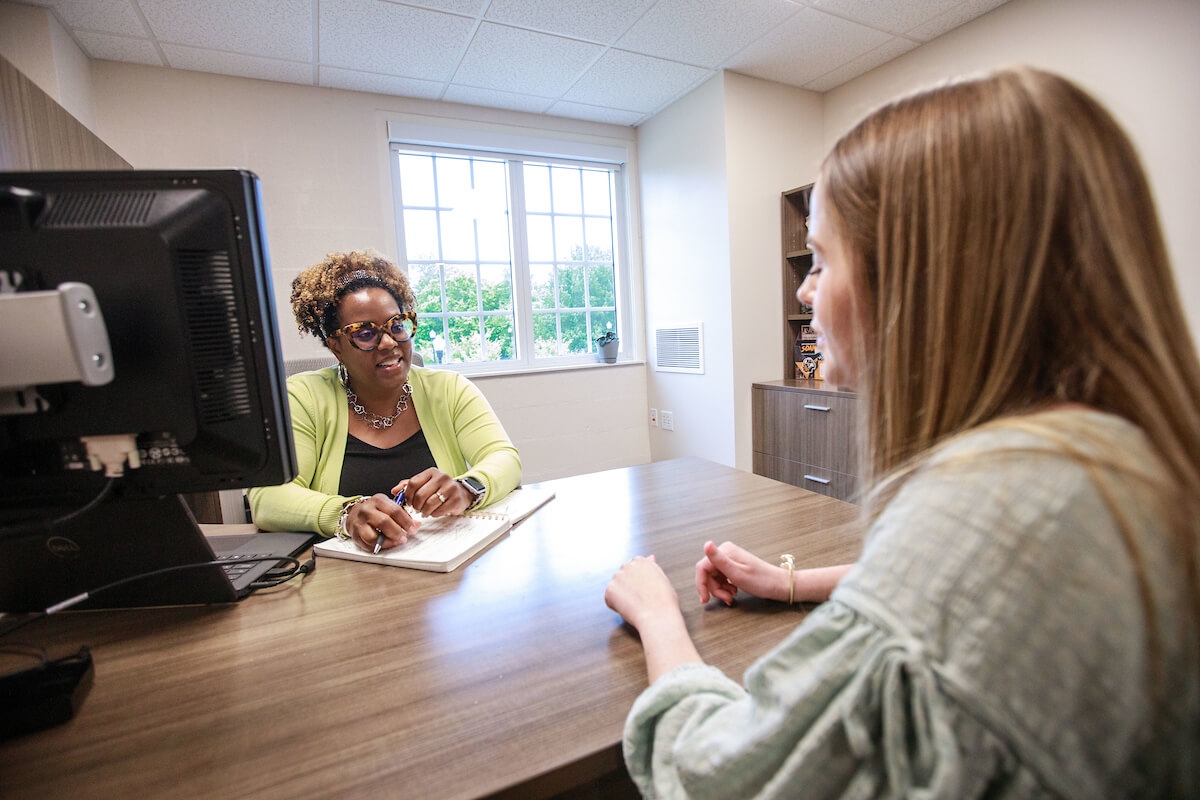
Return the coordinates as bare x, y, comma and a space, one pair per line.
192, 380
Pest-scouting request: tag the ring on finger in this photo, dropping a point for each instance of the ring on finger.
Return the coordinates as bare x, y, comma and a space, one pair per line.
440, 496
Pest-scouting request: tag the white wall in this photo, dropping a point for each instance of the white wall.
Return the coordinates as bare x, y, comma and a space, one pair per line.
323, 160
1142, 60
685, 261
773, 143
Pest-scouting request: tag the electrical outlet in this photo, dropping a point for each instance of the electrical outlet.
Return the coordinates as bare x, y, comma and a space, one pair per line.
654, 418
668, 421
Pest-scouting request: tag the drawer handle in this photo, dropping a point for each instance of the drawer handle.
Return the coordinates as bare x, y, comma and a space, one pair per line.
815, 479
816, 408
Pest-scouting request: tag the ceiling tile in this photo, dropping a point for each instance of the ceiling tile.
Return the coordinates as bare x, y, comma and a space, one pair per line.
581, 19
103, 16
886, 15
614, 116
807, 46
472, 96
279, 29
704, 32
524, 62
380, 37
355, 81
468, 8
635, 82
267, 69
864, 63
961, 13
118, 48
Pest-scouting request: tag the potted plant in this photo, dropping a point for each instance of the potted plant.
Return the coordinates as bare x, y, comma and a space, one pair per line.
606, 347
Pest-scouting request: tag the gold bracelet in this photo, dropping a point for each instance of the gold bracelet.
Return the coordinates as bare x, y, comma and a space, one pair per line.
341, 531
786, 560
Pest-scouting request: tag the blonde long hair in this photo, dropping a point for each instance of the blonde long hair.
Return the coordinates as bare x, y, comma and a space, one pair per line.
1008, 258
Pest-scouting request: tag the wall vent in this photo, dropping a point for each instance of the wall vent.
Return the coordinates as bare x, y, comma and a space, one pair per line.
679, 349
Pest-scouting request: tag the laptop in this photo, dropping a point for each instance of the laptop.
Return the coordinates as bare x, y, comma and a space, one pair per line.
119, 541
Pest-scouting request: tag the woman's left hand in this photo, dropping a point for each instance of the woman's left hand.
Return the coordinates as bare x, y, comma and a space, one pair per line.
641, 593
435, 494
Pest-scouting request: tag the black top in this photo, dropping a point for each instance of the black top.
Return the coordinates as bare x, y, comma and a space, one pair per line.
367, 469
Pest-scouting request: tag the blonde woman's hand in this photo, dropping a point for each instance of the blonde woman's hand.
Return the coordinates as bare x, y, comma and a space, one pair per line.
726, 569
641, 593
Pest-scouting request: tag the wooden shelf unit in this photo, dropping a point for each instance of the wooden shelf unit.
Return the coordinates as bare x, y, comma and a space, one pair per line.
797, 259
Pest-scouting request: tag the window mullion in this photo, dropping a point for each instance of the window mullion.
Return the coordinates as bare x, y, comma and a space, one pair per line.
522, 294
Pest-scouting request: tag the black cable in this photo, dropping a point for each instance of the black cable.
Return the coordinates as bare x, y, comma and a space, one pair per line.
296, 569
26, 528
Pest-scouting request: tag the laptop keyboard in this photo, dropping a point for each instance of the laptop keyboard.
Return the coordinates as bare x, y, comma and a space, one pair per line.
239, 563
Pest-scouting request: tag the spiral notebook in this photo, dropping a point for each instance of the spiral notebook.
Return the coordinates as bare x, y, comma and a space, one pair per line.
443, 544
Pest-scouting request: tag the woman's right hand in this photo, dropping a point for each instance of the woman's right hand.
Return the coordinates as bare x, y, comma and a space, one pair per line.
378, 516
727, 568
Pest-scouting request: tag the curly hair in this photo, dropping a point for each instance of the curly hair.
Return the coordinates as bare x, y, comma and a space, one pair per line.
317, 290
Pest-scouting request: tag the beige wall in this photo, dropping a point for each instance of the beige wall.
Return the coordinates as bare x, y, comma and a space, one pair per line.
773, 143
1142, 60
685, 240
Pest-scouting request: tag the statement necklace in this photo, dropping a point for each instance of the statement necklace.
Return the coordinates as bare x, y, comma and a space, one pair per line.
374, 420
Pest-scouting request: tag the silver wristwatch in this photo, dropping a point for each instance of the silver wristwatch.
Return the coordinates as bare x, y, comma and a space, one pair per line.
476, 488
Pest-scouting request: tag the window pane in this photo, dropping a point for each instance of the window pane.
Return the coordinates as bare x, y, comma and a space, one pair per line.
501, 343
545, 335
458, 236
493, 237
596, 199
453, 181
420, 235
568, 238
599, 239
496, 288
430, 340
464, 342
537, 188
461, 289
570, 286
426, 283
541, 285
491, 184
416, 180
602, 285
541, 238
567, 192
574, 332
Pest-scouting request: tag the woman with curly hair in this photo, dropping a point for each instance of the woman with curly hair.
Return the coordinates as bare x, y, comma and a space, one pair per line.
376, 423
1025, 618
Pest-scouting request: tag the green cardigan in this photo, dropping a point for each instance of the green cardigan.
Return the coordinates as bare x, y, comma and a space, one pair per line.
463, 433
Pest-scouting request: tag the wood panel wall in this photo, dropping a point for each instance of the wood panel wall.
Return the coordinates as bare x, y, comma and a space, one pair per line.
36, 133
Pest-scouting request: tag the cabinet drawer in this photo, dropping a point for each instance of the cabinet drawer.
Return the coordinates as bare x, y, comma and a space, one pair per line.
837, 485
810, 427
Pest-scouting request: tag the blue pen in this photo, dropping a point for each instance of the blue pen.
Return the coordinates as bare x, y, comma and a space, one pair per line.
379, 539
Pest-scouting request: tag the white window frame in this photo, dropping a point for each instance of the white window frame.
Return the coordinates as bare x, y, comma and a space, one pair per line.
471, 143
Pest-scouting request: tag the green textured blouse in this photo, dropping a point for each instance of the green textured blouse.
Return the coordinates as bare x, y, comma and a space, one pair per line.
991, 643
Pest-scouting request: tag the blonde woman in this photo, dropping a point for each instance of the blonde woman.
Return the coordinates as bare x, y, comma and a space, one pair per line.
1023, 621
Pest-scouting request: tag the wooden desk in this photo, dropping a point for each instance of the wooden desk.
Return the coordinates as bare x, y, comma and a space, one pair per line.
508, 676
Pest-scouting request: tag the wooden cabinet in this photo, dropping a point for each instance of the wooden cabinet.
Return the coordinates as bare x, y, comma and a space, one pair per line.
803, 434
797, 259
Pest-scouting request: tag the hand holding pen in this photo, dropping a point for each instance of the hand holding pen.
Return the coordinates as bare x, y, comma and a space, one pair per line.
379, 540
379, 521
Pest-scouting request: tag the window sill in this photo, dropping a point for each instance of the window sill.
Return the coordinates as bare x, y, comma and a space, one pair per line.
508, 373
